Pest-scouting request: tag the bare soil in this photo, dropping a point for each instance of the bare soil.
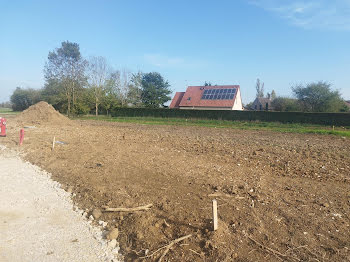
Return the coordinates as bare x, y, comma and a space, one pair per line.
280, 196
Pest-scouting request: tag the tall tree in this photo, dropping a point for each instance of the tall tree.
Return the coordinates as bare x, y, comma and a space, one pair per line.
155, 90
259, 88
273, 95
124, 87
318, 97
111, 96
99, 70
66, 66
135, 89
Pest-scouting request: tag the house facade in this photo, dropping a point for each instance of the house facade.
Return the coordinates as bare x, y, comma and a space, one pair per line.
224, 97
262, 104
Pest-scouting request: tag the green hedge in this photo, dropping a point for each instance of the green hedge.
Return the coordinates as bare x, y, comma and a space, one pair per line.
336, 119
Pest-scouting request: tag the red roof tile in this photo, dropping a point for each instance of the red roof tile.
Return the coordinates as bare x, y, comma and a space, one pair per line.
176, 100
193, 95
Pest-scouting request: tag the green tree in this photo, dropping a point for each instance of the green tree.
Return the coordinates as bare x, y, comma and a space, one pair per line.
259, 88
53, 93
135, 89
207, 83
318, 97
22, 98
110, 98
286, 104
155, 90
66, 66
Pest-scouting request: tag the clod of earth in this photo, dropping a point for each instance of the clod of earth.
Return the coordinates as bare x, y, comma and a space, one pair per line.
113, 234
96, 213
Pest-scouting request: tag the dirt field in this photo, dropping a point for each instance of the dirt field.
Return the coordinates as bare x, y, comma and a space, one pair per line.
280, 196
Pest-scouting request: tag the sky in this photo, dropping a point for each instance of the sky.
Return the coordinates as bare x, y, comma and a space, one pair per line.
225, 42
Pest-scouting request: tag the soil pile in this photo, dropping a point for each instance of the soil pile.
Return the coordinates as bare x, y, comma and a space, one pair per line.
42, 113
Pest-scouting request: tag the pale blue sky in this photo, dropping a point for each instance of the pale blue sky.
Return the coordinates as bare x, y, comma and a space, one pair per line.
189, 42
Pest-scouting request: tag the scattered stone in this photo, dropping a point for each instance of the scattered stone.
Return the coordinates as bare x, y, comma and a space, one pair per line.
70, 189
96, 213
325, 204
112, 234
91, 218
112, 244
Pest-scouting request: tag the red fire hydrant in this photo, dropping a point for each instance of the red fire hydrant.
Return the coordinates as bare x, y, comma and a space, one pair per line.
2, 126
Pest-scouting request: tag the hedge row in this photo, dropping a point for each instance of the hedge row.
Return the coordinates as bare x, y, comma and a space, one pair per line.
336, 119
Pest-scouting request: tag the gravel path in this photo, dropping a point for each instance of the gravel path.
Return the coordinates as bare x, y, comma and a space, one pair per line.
37, 221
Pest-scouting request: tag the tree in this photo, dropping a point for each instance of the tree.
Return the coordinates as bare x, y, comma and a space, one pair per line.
135, 89
273, 95
207, 83
124, 87
110, 99
54, 94
318, 97
22, 98
155, 90
66, 66
285, 104
259, 88
98, 74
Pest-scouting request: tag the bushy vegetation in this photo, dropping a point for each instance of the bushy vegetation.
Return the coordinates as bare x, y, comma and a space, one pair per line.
74, 85
286, 104
22, 98
337, 119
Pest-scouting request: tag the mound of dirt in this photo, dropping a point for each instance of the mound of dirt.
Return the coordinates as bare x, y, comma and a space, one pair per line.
41, 113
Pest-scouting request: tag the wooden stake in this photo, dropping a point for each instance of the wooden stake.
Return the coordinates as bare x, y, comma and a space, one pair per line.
215, 215
124, 209
53, 143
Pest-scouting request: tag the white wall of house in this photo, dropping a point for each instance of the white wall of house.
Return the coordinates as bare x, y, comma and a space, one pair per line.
238, 101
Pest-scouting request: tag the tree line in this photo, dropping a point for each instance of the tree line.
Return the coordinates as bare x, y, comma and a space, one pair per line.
313, 97
76, 85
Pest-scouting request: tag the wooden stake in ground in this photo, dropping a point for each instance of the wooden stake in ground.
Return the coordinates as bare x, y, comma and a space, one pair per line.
53, 143
125, 209
215, 215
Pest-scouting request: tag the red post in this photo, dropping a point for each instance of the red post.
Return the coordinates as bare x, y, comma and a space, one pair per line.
2, 126
21, 136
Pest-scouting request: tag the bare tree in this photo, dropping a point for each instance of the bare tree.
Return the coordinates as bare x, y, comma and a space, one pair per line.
99, 72
124, 87
259, 88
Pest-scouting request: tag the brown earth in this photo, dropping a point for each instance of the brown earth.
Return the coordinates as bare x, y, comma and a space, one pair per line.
280, 196
41, 113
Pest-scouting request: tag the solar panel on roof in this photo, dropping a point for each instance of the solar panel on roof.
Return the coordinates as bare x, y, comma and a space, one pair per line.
219, 94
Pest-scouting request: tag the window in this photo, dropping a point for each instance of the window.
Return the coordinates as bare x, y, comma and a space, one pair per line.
189, 99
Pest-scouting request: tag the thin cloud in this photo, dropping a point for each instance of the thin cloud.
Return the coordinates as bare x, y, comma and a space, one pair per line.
160, 60
321, 14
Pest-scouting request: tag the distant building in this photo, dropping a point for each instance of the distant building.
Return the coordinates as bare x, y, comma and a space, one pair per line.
262, 104
347, 102
227, 97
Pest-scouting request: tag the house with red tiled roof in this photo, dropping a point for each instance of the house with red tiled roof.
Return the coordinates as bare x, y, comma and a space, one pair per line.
226, 97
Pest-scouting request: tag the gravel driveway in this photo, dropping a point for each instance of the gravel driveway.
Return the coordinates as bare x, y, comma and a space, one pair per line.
37, 221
